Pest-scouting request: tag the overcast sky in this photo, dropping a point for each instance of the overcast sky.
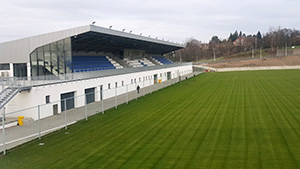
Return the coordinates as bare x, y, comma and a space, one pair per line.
175, 20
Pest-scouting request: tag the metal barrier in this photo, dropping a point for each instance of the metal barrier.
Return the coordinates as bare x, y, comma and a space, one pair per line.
38, 121
52, 79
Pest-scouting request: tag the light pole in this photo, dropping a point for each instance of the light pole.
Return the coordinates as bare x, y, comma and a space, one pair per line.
260, 54
180, 57
286, 52
214, 54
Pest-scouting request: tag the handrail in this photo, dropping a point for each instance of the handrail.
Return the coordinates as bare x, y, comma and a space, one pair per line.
61, 78
4, 91
10, 85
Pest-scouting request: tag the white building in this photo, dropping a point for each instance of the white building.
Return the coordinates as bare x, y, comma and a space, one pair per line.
88, 59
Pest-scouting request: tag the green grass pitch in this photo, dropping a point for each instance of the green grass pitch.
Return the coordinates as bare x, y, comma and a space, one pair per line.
215, 120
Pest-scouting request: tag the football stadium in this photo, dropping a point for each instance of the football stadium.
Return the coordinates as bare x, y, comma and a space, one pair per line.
93, 97
49, 74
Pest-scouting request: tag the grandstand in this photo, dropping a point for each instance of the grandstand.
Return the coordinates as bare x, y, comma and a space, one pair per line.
54, 68
87, 48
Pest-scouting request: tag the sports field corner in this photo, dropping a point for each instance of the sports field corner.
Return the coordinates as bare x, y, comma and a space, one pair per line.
214, 120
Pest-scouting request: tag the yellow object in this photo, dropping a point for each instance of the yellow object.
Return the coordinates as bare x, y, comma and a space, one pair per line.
20, 120
159, 80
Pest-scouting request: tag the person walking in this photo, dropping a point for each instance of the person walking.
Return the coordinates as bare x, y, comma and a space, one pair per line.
138, 89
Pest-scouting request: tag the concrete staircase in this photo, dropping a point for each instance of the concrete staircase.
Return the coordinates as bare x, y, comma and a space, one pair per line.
151, 59
115, 63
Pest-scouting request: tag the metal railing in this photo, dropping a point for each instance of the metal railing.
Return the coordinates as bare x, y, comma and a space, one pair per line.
42, 119
5, 91
61, 78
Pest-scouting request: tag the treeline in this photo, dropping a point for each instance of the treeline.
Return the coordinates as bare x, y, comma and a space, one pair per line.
237, 42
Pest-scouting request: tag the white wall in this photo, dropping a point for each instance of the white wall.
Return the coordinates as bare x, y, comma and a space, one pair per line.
36, 96
230, 69
256, 68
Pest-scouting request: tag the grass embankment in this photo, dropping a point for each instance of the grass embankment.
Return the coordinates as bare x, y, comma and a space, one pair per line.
265, 53
215, 120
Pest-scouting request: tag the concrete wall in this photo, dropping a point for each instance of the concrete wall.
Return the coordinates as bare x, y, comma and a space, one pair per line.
26, 100
250, 68
257, 68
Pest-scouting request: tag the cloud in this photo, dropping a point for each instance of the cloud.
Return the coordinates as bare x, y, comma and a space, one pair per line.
175, 20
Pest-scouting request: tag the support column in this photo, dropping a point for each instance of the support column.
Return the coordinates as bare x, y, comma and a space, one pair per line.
127, 94
3, 133
65, 105
85, 107
102, 101
28, 71
11, 70
116, 99
39, 121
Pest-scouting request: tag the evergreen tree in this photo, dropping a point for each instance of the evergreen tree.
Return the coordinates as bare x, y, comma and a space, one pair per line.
235, 36
215, 39
230, 37
258, 35
241, 34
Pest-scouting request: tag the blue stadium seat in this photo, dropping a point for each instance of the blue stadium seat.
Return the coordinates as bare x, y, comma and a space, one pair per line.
163, 60
91, 63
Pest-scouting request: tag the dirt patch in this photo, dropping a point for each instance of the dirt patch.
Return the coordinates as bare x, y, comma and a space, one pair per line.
280, 61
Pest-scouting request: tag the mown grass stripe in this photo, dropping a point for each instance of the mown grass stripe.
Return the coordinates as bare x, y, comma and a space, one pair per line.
170, 118
271, 107
215, 120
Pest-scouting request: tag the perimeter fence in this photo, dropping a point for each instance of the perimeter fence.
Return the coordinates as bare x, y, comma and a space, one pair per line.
43, 119
253, 55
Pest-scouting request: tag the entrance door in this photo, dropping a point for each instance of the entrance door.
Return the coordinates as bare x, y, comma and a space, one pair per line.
155, 78
55, 109
169, 75
89, 95
178, 74
69, 101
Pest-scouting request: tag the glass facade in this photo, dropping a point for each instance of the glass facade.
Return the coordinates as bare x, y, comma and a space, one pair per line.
52, 59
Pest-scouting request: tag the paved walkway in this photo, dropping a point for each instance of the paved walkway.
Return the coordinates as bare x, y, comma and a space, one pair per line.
17, 135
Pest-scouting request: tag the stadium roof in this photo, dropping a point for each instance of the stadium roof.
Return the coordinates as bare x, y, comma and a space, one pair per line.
98, 41
86, 38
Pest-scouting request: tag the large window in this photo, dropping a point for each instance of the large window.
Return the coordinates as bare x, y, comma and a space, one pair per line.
47, 59
4, 66
40, 61
34, 64
20, 69
68, 55
67, 101
52, 59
